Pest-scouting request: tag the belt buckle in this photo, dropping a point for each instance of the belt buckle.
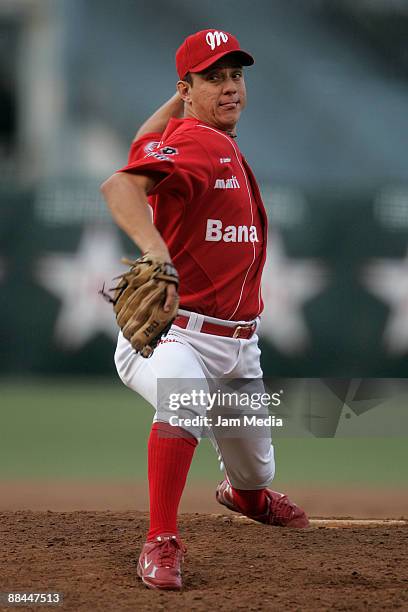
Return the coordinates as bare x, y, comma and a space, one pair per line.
238, 328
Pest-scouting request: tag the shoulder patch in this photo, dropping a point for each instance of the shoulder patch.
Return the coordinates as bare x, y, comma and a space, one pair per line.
160, 156
169, 151
151, 146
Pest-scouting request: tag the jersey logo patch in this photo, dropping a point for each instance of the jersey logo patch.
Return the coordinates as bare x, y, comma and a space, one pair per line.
160, 156
169, 151
151, 146
214, 39
231, 183
225, 160
231, 233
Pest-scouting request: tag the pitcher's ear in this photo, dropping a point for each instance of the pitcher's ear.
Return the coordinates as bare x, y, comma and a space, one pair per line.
183, 87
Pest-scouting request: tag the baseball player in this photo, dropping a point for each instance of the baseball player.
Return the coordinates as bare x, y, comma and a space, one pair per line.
210, 223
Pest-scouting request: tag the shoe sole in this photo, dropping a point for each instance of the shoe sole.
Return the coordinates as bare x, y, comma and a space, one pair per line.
153, 586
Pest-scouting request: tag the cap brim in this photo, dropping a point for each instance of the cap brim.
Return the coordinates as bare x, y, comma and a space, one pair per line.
245, 59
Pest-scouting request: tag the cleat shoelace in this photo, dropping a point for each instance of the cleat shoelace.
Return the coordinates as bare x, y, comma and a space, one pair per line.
281, 508
168, 553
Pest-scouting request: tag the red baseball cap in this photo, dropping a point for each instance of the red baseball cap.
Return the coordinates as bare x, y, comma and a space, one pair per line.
206, 47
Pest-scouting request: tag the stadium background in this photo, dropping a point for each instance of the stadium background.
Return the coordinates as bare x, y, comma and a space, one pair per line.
326, 132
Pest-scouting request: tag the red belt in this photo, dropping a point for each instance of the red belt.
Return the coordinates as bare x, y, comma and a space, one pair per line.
243, 331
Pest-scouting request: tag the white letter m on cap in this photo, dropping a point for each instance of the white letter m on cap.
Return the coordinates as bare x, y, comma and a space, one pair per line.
215, 38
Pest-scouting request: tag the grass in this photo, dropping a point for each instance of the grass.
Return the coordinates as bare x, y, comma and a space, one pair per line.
98, 429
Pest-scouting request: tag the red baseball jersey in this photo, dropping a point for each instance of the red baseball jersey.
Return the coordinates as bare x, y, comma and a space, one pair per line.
208, 208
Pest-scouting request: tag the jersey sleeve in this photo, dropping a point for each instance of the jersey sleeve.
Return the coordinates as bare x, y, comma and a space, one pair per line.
143, 145
181, 168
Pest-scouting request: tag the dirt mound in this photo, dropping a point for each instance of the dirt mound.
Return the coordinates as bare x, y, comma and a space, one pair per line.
231, 564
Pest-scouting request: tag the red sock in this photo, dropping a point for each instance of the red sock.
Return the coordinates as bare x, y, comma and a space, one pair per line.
170, 452
251, 502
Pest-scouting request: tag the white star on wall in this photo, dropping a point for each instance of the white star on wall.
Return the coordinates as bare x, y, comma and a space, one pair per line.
388, 280
287, 284
76, 279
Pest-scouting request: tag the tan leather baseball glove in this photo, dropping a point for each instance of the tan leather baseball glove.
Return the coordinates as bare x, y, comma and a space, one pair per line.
138, 300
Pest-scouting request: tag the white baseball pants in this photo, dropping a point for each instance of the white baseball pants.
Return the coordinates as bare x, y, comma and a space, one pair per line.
188, 355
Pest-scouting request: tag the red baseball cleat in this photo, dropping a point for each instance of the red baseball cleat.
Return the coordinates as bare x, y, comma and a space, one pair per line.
280, 511
160, 563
